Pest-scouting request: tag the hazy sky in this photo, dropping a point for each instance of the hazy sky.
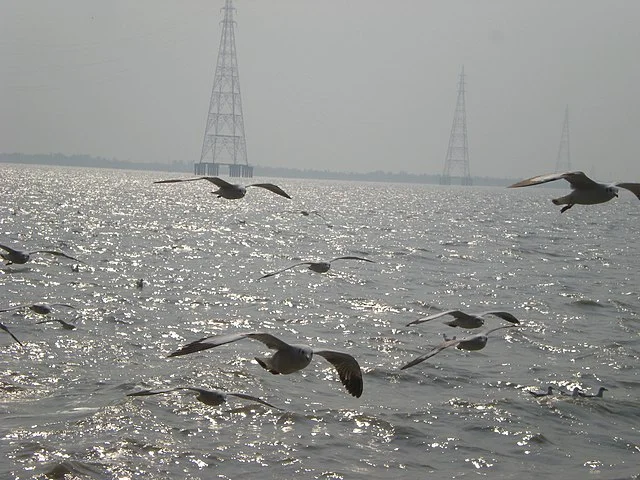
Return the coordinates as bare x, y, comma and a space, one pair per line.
355, 85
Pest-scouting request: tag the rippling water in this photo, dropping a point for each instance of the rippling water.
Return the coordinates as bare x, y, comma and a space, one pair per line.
571, 278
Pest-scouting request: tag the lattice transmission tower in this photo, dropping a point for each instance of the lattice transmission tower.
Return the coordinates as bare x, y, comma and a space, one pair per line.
563, 161
224, 140
457, 160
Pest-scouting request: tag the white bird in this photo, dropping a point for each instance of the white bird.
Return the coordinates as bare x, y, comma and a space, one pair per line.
287, 358
464, 320
542, 394
584, 190
472, 342
601, 390
208, 397
318, 267
3, 327
21, 256
228, 190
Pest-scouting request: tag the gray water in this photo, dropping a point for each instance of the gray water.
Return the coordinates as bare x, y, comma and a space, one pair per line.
571, 278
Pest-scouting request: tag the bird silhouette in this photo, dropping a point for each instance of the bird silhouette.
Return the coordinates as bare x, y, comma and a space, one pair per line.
287, 358
472, 342
465, 320
21, 256
319, 267
228, 190
584, 190
208, 397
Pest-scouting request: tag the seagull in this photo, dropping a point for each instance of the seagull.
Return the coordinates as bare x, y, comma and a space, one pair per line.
228, 190
542, 394
20, 256
574, 394
39, 308
65, 325
208, 397
319, 267
464, 320
585, 191
472, 342
3, 327
287, 358
601, 390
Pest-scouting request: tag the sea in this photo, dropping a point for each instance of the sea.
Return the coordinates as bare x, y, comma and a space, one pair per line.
162, 265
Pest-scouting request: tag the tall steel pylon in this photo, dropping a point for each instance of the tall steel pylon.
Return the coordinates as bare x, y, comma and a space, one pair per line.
224, 139
563, 161
458, 150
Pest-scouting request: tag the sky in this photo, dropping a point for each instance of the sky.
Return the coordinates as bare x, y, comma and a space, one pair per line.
343, 85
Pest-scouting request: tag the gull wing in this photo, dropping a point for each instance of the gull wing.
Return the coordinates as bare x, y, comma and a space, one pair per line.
62, 305
143, 393
576, 179
9, 249
284, 270
632, 187
56, 253
3, 327
215, 180
503, 315
14, 308
454, 313
446, 344
65, 325
348, 370
217, 340
352, 258
271, 187
253, 399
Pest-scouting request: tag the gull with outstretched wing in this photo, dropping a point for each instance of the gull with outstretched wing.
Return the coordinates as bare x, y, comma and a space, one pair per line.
228, 190
584, 190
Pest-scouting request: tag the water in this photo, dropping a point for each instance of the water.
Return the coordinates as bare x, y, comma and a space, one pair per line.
572, 279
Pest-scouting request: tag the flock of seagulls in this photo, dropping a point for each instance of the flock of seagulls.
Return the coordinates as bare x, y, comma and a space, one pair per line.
289, 358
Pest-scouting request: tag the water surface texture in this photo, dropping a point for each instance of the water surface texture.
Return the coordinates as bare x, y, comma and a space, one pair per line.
571, 278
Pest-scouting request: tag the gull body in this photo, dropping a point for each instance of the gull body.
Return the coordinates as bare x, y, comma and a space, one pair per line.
208, 397
287, 358
228, 190
318, 267
20, 256
601, 390
542, 394
470, 343
466, 320
584, 190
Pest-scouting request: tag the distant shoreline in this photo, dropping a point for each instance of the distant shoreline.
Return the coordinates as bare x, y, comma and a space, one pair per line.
60, 159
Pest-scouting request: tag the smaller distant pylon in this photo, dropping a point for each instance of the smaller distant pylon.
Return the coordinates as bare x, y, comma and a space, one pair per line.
563, 161
458, 150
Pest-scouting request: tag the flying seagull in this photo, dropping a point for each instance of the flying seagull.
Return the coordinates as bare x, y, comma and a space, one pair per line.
473, 342
20, 256
465, 320
228, 190
208, 397
319, 267
65, 325
3, 327
287, 358
601, 390
542, 394
39, 308
584, 190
